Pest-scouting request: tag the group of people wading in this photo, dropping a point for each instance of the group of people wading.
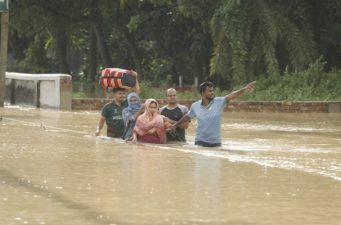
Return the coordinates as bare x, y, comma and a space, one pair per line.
130, 119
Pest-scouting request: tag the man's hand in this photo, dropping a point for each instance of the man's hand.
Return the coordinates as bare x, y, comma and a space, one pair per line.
97, 132
136, 89
134, 73
152, 131
251, 85
183, 120
184, 125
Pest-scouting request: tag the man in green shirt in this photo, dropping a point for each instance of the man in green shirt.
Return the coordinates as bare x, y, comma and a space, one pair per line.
112, 113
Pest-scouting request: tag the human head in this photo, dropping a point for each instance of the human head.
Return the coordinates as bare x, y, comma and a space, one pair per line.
171, 96
206, 90
134, 102
152, 107
119, 94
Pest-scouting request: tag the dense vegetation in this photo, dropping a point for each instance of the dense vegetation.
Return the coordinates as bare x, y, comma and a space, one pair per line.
292, 48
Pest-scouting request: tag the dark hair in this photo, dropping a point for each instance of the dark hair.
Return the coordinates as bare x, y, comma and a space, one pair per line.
116, 89
203, 86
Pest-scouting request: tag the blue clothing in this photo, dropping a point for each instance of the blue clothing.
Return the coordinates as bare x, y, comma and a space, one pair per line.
128, 115
129, 123
209, 119
134, 106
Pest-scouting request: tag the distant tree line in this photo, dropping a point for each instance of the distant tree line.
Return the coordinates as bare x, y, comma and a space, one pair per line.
228, 41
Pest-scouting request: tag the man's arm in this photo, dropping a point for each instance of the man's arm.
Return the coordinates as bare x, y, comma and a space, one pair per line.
239, 92
184, 110
166, 119
100, 125
136, 89
184, 119
184, 125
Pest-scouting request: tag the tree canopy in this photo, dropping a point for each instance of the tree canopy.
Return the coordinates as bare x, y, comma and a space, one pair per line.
229, 41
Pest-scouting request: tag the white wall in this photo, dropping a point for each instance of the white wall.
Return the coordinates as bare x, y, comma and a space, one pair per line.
50, 87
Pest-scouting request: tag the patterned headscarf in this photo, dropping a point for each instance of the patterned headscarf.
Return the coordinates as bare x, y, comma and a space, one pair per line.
148, 120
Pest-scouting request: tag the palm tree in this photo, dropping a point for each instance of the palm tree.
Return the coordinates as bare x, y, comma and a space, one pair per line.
255, 37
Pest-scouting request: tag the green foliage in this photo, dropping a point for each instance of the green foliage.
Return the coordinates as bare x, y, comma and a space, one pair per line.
36, 59
313, 84
256, 37
133, 23
86, 89
149, 91
79, 95
232, 41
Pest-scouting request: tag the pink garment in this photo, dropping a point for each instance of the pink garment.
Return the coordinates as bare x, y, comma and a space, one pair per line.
150, 138
148, 121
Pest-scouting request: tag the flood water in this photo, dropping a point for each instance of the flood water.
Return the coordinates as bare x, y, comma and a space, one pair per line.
272, 169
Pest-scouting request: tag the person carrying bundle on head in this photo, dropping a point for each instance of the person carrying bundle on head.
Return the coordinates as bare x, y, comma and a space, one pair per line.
111, 113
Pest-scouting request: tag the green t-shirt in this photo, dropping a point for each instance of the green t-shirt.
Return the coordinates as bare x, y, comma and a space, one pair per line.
113, 117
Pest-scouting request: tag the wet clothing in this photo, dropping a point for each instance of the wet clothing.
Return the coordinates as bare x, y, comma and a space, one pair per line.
148, 121
113, 117
151, 138
128, 115
128, 130
206, 144
175, 114
209, 121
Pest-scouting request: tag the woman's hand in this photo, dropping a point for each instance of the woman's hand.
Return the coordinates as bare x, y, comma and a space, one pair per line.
134, 138
152, 131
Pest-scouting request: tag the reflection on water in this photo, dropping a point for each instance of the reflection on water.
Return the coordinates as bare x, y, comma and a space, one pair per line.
271, 169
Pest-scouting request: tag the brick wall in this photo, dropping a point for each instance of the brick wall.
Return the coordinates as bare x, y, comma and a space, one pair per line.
236, 106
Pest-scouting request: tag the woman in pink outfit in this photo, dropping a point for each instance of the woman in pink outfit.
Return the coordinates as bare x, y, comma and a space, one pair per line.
150, 126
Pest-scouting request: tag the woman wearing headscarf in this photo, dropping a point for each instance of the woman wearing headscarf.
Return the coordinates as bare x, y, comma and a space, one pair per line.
130, 114
150, 126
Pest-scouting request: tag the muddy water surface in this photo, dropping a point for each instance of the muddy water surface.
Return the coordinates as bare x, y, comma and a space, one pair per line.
271, 169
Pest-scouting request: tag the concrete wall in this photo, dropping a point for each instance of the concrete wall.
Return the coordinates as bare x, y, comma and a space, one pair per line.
39, 90
235, 106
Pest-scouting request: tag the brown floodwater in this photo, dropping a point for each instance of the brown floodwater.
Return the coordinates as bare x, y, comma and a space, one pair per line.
271, 169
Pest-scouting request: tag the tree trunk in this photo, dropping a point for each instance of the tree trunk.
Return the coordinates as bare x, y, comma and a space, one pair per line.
61, 45
92, 53
134, 54
102, 46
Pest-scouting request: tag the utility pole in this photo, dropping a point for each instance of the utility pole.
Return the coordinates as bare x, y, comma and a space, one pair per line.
3, 48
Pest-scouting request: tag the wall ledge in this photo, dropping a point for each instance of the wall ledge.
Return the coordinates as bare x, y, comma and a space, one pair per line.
235, 106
